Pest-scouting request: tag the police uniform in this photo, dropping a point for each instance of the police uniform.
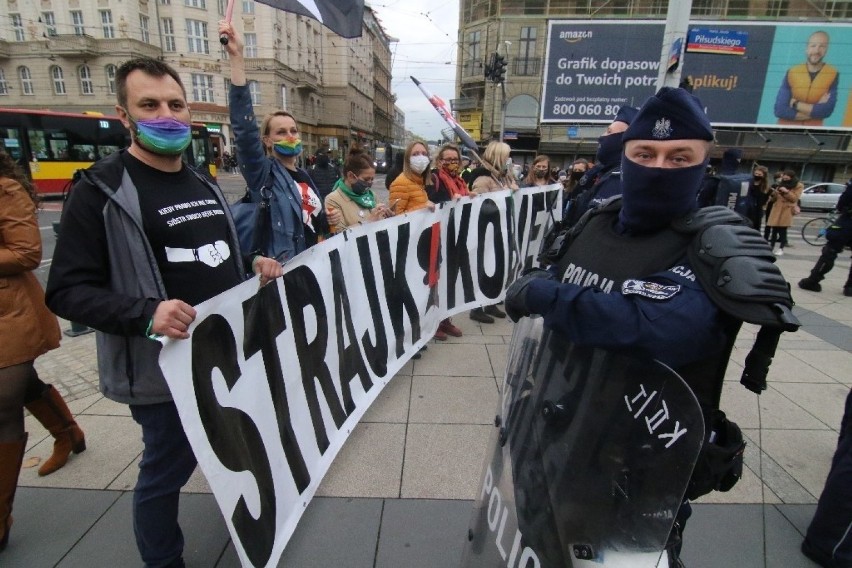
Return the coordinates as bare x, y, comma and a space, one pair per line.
838, 237
635, 276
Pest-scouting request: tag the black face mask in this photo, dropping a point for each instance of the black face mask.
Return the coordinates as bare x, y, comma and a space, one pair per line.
540, 174
360, 187
609, 150
322, 161
651, 198
577, 175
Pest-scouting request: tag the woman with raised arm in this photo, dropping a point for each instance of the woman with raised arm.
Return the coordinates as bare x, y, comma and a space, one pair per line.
268, 159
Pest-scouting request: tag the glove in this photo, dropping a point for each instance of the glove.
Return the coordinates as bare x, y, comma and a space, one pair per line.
516, 295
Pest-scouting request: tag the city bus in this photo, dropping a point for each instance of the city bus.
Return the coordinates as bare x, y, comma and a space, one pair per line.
51, 146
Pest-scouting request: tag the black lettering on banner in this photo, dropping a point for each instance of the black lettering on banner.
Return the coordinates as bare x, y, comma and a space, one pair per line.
351, 362
516, 235
397, 292
377, 355
489, 214
458, 256
263, 317
232, 434
304, 290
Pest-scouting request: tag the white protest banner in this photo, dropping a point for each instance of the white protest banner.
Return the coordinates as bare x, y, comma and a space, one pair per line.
273, 380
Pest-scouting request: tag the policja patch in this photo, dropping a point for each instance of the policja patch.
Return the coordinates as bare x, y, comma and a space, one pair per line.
651, 290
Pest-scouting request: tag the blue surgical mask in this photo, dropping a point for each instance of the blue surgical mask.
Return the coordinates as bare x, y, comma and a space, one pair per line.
165, 135
651, 198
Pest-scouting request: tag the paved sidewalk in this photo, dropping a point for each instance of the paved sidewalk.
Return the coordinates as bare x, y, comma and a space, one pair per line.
400, 492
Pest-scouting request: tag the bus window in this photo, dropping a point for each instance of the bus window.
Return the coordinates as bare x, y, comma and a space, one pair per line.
38, 146
11, 142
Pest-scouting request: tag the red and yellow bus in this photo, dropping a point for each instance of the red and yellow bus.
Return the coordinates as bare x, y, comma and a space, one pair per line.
51, 146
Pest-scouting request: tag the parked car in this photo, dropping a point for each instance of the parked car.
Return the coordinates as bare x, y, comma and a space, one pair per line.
821, 196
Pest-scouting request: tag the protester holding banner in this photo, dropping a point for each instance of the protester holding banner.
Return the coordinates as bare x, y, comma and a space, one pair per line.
268, 158
540, 173
625, 279
352, 194
495, 173
408, 190
144, 238
447, 185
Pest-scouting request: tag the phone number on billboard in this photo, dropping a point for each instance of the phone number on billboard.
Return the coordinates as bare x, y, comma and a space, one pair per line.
585, 109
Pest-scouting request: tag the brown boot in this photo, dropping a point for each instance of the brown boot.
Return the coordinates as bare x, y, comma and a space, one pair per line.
54, 415
447, 327
11, 455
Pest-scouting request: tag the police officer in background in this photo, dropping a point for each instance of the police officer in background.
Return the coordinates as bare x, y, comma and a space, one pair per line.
621, 278
838, 237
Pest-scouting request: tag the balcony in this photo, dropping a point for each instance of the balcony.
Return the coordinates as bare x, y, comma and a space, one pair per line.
70, 45
307, 81
526, 67
463, 104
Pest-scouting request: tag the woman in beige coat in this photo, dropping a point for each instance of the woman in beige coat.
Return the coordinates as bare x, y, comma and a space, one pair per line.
784, 200
27, 330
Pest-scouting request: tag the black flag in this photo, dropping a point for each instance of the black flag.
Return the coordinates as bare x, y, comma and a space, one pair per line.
343, 17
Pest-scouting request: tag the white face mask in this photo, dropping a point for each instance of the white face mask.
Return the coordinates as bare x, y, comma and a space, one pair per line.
419, 163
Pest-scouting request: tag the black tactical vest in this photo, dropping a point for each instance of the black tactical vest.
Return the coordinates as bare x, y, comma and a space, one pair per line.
598, 256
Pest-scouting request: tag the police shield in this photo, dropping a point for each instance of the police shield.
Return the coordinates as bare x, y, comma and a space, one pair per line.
592, 454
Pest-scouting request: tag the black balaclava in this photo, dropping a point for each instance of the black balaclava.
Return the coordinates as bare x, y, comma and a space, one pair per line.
653, 197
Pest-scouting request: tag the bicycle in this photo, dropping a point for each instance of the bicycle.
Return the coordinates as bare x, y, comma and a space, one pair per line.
813, 232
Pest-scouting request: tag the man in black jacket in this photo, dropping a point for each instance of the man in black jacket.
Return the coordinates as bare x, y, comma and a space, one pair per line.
838, 237
324, 174
144, 237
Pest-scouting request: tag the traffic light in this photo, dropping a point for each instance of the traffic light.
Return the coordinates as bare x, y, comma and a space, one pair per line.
498, 69
489, 66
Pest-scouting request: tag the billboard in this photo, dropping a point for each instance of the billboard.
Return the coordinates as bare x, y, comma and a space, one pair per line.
787, 75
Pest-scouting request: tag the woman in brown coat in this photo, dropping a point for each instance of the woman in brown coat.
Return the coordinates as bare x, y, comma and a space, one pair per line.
27, 330
784, 200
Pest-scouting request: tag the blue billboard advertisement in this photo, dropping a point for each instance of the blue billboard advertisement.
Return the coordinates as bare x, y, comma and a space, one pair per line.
771, 75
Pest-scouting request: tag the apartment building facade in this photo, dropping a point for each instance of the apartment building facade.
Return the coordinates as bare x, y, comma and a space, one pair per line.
62, 55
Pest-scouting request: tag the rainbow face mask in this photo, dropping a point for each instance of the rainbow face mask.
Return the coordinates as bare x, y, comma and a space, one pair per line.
165, 136
288, 147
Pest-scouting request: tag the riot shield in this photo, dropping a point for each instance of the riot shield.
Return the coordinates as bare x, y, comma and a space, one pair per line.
592, 454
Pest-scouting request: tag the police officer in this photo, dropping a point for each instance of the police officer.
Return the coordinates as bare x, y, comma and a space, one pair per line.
603, 181
838, 237
623, 280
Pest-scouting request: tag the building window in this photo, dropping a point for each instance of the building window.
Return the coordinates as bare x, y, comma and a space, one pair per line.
202, 88
106, 24
473, 57
4, 87
196, 4
222, 4
227, 92
196, 36
166, 2
169, 35
49, 23
85, 74
58, 80
110, 77
248, 6
143, 25
527, 62
250, 45
26, 80
254, 91
779, 8
77, 22
18, 26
